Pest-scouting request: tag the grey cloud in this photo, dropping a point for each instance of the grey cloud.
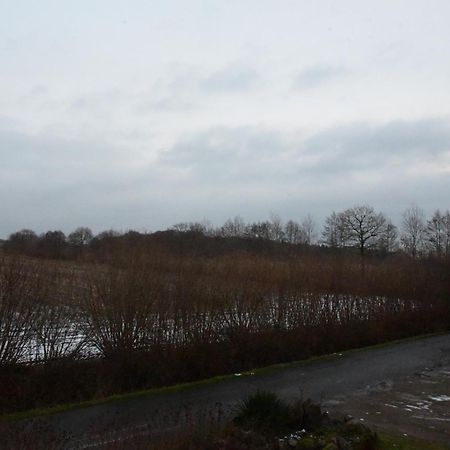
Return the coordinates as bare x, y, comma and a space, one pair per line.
363, 146
244, 152
42, 165
103, 99
169, 103
8, 123
220, 172
240, 154
173, 92
185, 88
47, 182
317, 75
235, 77
335, 168
36, 93
38, 89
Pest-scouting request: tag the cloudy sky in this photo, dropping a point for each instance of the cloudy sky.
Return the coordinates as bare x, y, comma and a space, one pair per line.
140, 114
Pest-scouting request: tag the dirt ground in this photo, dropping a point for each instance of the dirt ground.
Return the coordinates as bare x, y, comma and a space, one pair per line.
418, 405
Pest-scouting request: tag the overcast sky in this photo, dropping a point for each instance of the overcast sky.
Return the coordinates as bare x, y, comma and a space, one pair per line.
141, 114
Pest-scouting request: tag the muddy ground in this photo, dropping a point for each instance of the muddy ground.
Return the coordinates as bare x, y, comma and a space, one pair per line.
417, 405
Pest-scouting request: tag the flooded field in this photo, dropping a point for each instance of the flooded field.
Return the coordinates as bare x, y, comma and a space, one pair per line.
68, 331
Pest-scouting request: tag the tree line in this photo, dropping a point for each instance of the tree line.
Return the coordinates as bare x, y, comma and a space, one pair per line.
358, 227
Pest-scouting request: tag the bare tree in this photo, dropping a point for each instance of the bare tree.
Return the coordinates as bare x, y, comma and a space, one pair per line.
275, 227
118, 310
259, 230
20, 292
205, 227
107, 234
413, 231
436, 234
231, 228
365, 226
388, 241
80, 237
335, 232
292, 232
22, 241
52, 244
57, 332
309, 230
181, 227
208, 228
447, 234
56, 328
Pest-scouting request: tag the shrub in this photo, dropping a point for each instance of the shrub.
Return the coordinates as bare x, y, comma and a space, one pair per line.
264, 411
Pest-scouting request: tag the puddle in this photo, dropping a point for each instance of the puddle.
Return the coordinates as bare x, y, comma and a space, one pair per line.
440, 398
414, 407
333, 403
439, 419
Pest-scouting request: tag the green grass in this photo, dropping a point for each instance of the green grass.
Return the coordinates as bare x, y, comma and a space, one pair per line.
391, 442
189, 385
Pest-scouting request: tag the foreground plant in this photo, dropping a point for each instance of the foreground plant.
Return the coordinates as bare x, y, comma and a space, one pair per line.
264, 421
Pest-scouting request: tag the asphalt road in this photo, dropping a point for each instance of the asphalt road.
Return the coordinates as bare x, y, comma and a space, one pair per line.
334, 377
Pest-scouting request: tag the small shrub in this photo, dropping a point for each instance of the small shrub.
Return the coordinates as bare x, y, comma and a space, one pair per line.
264, 411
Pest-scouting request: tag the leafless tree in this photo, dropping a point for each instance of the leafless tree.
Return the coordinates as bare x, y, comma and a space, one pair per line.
388, 241
335, 232
308, 230
80, 237
436, 233
107, 234
413, 231
365, 226
447, 234
20, 292
22, 241
275, 227
233, 228
208, 228
180, 227
292, 232
56, 329
118, 310
52, 244
205, 227
259, 230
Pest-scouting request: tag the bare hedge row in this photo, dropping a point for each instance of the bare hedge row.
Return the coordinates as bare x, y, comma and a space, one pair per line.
53, 312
